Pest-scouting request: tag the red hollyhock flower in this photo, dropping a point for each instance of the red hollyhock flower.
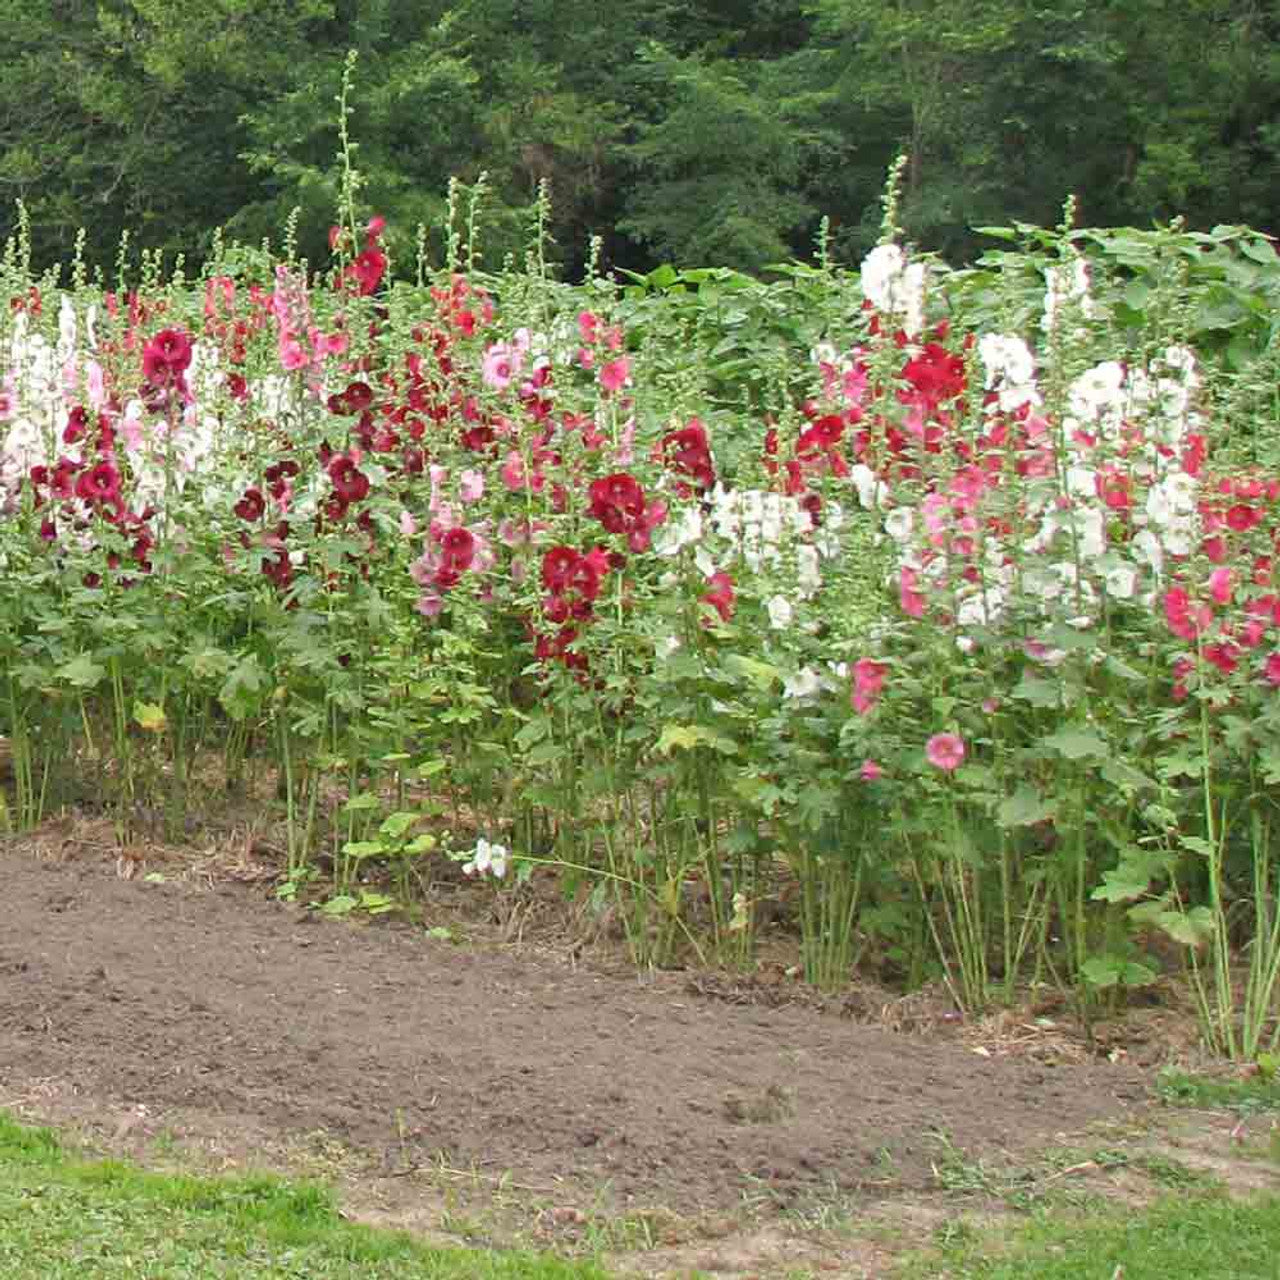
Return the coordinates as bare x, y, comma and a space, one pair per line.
617, 501
721, 596
100, 484
458, 547
166, 357
688, 453
367, 270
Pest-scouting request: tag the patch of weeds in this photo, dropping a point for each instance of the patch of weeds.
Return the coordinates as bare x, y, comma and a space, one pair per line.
830, 1211
1251, 1095
964, 1176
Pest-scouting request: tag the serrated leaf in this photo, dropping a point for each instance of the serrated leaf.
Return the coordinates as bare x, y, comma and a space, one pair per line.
81, 672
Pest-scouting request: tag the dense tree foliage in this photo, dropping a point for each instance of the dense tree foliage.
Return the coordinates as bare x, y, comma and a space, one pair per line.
710, 131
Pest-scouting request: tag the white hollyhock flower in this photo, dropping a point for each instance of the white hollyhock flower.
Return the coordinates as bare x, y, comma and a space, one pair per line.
780, 612
487, 859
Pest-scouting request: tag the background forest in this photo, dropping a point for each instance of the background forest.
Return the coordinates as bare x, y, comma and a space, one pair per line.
706, 131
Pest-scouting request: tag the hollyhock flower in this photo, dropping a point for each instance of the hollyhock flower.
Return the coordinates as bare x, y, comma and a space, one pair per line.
470, 485
1220, 586
910, 598
487, 859
501, 363
868, 683
166, 357
687, 452
615, 375
721, 596
100, 484
618, 502
251, 506
945, 751
350, 484
780, 612
870, 771
1271, 670
367, 270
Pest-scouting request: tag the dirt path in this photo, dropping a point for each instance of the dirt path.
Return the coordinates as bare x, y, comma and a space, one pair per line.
175, 1000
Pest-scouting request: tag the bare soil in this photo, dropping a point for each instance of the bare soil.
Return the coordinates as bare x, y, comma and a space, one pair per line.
201, 1007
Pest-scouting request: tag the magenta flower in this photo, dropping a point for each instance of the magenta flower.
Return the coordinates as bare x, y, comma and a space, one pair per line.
945, 751
870, 771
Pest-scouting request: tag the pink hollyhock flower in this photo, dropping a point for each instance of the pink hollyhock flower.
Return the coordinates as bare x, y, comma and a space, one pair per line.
870, 771
471, 485
501, 363
615, 375
911, 600
1220, 586
1271, 670
945, 751
868, 683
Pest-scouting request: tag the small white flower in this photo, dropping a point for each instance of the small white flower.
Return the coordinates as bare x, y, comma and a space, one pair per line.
780, 612
487, 859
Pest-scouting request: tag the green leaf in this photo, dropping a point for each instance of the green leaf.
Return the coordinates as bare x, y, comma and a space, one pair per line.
687, 737
343, 905
81, 672
149, 716
762, 674
421, 844
1075, 743
241, 690
1024, 808
395, 825
363, 848
1038, 691
362, 803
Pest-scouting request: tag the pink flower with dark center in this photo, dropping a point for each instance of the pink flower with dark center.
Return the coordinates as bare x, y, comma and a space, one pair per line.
945, 751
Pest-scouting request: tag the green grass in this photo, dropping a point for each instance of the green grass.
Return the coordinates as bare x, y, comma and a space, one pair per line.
1208, 1237
64, 1216
1255, 1094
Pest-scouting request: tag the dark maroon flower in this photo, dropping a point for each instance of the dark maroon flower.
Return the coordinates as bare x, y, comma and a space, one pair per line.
251, 507
350, 484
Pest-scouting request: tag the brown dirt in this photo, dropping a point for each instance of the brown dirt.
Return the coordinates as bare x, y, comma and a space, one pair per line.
205, 1003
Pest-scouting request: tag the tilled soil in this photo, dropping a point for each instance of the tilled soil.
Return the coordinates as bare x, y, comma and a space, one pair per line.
180, 996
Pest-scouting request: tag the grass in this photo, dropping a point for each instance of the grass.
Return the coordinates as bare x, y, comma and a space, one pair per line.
1254, 1094
66, 1216
1209, 1237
